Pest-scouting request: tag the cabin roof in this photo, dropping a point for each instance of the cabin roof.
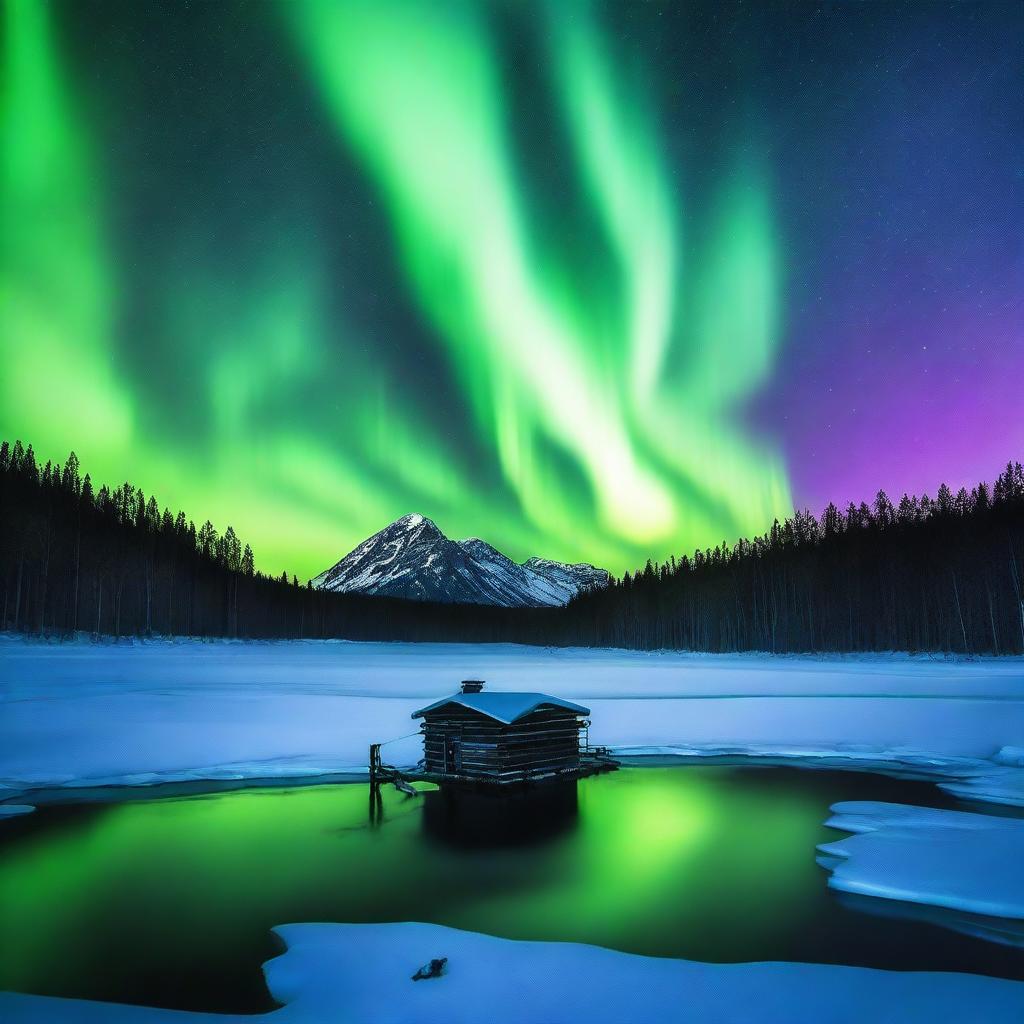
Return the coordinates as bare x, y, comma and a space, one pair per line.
503, 707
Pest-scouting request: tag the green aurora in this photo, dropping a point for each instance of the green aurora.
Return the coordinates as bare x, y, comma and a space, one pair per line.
573, 349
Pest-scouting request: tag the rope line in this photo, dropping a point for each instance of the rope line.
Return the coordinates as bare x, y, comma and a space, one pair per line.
397, 738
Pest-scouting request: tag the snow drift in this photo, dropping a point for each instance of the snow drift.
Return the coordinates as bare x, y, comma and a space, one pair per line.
351, 974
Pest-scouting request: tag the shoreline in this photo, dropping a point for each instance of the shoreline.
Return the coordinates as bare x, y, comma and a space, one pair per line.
954, 776
83, 638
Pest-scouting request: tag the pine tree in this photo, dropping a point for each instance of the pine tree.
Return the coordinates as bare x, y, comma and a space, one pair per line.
29, 467
831, 521
232, 550
944, 500
69, 480
885, 515
138, 507
907, 510
207, 540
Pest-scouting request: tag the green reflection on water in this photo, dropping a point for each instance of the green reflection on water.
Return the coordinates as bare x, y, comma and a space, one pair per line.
152, 901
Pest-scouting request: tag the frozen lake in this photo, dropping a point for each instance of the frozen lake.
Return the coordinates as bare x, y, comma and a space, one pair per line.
161, 711
170, 901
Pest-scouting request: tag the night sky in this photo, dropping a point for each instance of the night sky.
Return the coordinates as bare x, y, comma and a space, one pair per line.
595, 282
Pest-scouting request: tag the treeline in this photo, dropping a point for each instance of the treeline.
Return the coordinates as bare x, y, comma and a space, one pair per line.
942, 574
112, 563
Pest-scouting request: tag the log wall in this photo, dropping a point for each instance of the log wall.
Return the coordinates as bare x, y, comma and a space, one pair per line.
460, 743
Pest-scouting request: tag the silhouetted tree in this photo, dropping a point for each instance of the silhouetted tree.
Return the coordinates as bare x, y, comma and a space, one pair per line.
942, 575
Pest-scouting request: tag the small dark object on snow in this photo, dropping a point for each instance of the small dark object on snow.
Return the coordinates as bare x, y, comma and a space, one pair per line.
432, 970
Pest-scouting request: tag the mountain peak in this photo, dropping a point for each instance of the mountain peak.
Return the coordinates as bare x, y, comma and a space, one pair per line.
412, 558
408, 529
413, 519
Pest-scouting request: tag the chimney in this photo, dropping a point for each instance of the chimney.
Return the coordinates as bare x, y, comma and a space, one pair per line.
472, 685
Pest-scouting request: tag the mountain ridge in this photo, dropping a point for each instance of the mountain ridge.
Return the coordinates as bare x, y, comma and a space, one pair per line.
412, 558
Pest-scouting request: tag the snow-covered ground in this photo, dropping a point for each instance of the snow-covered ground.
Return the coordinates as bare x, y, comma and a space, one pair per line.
82, 714
344, 974
91, 714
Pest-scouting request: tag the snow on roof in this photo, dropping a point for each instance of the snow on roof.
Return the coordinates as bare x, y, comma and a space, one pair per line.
503, 707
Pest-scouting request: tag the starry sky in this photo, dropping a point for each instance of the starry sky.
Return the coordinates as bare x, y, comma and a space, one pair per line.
596, 282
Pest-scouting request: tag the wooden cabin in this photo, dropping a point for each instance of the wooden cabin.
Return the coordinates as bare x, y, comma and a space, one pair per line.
502, 738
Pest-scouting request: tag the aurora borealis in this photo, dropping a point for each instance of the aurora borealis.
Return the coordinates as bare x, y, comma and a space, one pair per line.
600, 282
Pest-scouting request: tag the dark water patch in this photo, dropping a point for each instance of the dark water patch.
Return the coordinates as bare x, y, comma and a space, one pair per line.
170, 901
994, 929
474, 820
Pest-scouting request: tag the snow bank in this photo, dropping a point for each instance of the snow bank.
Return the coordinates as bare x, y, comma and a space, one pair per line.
83, 714
1001, 783
359, 973
954, 860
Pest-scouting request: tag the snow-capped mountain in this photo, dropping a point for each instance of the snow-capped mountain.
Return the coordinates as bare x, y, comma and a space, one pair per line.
412, 558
